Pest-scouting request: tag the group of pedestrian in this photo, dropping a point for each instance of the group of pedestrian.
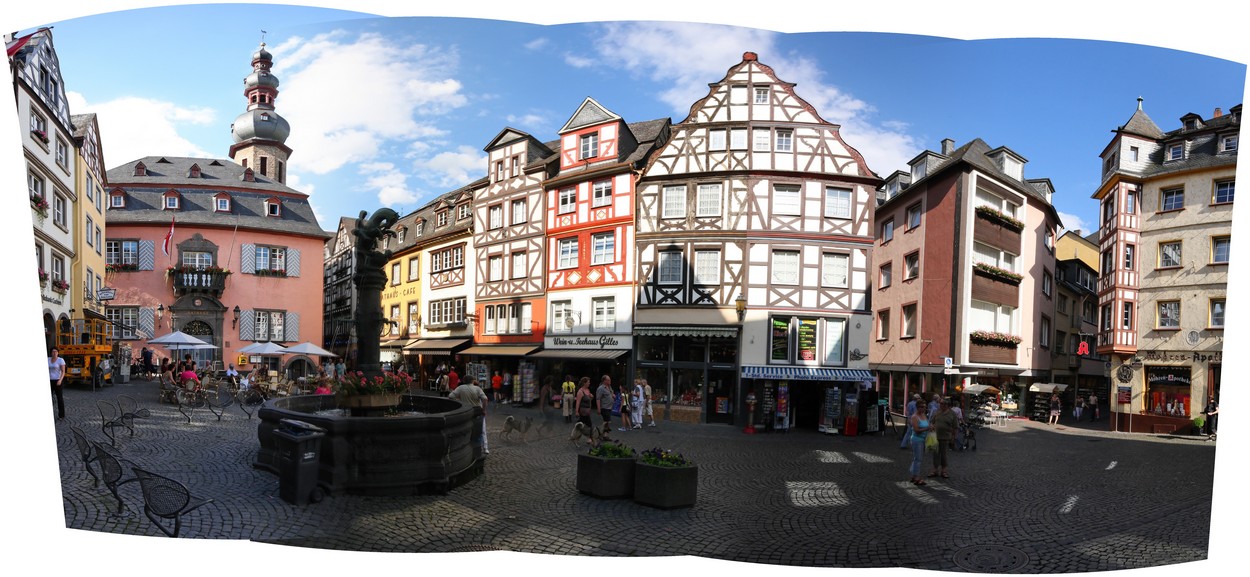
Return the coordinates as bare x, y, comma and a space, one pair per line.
932, 423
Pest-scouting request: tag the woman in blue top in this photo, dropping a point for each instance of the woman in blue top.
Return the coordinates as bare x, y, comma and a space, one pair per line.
920, 428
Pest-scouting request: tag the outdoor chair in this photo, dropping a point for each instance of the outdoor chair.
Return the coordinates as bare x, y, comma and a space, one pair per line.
130, 410
110, 418
113, 473
87, 452
165, 499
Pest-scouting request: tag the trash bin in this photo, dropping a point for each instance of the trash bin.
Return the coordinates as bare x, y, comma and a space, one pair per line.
299, 450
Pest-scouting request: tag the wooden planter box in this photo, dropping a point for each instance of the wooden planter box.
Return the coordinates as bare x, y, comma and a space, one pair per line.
983, 353
991, 232
989, 288
605, 478
665, 487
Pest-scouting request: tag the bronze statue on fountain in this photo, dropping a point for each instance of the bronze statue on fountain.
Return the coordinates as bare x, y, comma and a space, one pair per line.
370, 279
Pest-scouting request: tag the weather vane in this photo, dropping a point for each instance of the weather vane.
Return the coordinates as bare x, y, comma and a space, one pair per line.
262, 36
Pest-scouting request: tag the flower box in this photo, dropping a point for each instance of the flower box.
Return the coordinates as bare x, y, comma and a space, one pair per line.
605, 477
999, 218
39, 135
665, 487
992, 354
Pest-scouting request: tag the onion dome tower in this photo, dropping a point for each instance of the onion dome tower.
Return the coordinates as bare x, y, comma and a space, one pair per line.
260, 133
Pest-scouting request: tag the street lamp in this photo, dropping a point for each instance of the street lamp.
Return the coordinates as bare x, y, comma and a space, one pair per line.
235, 322
740, 304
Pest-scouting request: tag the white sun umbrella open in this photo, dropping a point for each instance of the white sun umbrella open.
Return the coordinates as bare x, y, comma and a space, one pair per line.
308, 349
178, 339
265, 348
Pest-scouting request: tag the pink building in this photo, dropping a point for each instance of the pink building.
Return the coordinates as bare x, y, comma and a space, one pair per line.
221, 250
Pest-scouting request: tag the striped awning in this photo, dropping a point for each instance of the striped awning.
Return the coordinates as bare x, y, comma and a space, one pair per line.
500, 350
603, 354
434, 344
686, 331
805, 374
396, 343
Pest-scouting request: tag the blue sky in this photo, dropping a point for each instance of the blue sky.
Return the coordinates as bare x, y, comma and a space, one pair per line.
393, 111
168, 81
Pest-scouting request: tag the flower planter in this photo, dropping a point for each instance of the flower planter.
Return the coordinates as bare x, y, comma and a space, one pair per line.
991, 353
604, 477
367, 401
665, 487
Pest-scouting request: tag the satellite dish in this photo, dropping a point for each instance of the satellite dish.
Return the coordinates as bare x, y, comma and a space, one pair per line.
1192, 337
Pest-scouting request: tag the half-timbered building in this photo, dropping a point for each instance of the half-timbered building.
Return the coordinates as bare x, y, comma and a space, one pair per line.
754, 241
401, 297
338, 333
964, 267
590, 241
508, 238
443, 243
1166, 203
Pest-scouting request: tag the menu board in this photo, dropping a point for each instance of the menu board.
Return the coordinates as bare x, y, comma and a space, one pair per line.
781, 339
807, 339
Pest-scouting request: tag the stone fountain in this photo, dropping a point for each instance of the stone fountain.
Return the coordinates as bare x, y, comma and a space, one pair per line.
424, 444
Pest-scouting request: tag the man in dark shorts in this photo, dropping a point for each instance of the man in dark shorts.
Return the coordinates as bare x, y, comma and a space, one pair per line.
604, 398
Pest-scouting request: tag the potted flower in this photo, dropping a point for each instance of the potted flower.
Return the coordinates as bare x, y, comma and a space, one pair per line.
60, 286
991, 214
606, 471
996, 339
39, 204
357, 390
43, 278
121, 267
998, 273
665, 479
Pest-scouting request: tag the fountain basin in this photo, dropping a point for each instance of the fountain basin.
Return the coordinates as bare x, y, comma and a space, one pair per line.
434, 448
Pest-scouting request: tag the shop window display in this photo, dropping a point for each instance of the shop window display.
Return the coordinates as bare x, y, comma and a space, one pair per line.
1168, 391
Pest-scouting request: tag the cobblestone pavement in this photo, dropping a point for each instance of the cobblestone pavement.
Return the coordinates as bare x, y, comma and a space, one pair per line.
1031, 498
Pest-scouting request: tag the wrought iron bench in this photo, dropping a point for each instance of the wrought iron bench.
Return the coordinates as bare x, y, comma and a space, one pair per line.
131, 410
113, 473
165, 499
111, 418
87, 452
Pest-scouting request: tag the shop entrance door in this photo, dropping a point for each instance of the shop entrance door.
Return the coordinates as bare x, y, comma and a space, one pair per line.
720, 396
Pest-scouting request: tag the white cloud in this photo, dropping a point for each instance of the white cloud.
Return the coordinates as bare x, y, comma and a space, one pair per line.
577, 61
454, 168
1074, 222
530, 122
391, 184
686, 57
125, 140
537, 43
393, 91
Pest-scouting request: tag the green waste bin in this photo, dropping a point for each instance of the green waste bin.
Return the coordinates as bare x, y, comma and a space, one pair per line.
299, 457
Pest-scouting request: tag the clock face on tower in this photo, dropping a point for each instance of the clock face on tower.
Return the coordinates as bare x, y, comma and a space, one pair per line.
1124, 373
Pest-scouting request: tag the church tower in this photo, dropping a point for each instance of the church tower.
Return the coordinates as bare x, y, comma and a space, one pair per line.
260, 133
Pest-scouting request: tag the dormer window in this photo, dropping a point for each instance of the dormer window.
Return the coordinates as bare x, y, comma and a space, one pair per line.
442, 219
462, 211
589, 145
420, 227
273, 207
141, 169
1176, 151
194, 172
221, 203
1013, 168
249, 175
172, 201
1228, 143
402, 231
117, 199
919, 170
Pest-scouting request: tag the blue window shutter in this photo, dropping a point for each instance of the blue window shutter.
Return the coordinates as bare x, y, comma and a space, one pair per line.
292, 262
247, 259
147, 317
247, 325
290, 327
147, 255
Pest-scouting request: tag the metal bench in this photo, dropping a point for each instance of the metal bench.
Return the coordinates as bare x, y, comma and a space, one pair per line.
87, 452
113, 473
165, 499
111, 418
130, 411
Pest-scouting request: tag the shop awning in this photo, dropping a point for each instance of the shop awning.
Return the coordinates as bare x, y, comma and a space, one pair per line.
500, 350
685, 331
805, 373
1047, 387
396, 343
434, 345
602, 354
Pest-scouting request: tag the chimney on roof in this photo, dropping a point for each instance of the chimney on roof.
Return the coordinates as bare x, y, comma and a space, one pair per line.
948, 146
1218, 113
750, 57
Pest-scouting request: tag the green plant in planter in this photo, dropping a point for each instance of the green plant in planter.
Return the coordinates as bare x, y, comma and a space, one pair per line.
996, 339
665, 479
997, 216
609, 450
606, 471
1199, 422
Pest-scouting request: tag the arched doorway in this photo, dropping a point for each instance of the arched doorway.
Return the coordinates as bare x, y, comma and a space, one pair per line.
201, 330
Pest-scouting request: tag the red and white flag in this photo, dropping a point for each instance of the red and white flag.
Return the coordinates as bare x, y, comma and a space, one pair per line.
18, 43
169, 237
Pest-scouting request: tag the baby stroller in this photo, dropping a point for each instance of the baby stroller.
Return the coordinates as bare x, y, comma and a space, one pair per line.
965, 437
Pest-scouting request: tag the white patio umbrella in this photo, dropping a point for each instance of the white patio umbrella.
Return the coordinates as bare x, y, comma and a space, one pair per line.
265, 348
179, 339
308, 349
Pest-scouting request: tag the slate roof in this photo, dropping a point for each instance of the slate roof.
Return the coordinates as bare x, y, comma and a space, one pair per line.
974, 153
429, 213
144, 196
1202, 149
1141, 125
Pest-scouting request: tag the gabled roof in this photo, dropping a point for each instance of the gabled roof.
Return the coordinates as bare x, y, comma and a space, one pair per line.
509, 134
588, 114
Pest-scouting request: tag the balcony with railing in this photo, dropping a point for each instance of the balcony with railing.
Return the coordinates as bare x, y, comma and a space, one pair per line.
199, 281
